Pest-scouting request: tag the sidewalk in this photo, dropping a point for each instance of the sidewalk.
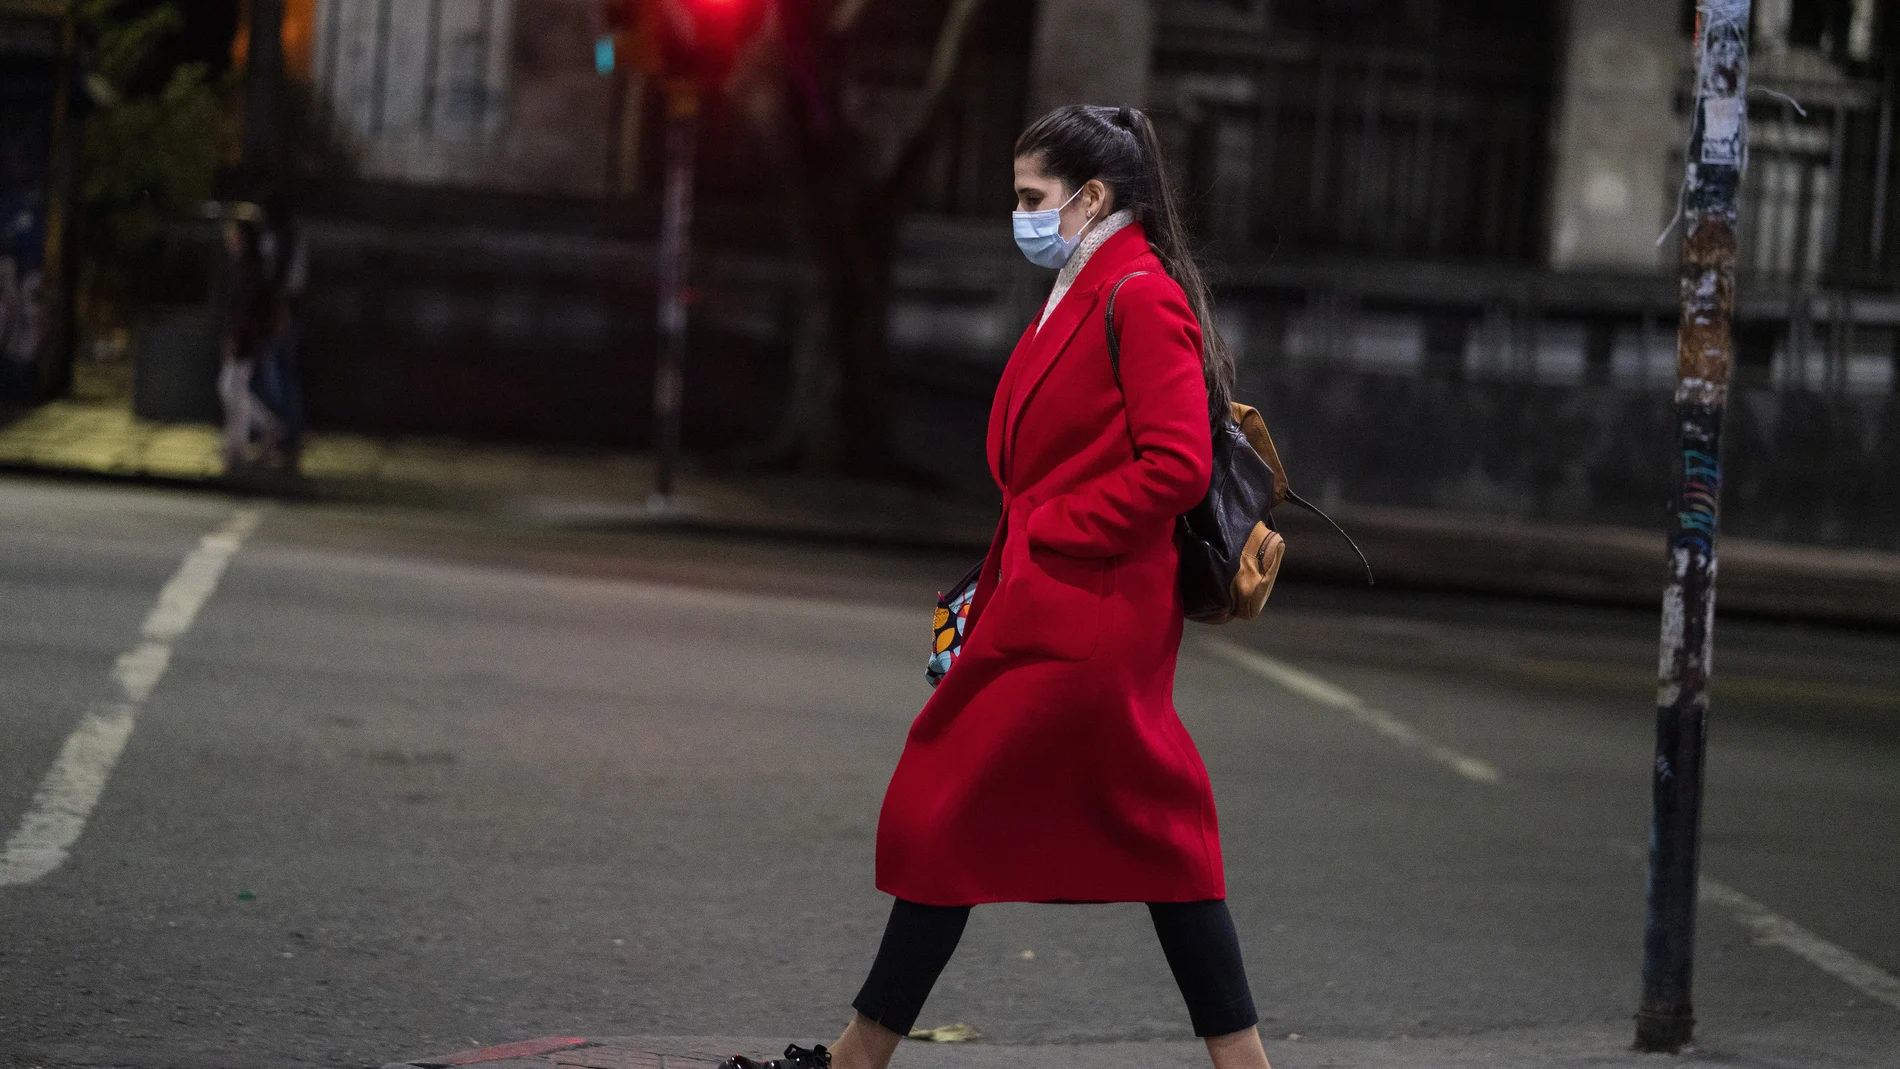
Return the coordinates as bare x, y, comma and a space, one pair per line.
546, 485
605, 490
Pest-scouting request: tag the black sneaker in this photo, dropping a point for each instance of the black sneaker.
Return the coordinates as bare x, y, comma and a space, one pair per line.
796, 1057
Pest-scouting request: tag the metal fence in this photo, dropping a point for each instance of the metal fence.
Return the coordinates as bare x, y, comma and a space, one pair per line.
1815, 204
1378, 152
1382, 202
1817, 258
1305, 134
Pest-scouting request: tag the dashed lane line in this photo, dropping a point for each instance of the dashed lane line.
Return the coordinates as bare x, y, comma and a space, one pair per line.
1315, 689
66, 797
1772, 929
1768, 927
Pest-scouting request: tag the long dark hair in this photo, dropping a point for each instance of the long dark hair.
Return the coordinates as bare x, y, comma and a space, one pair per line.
1119, 146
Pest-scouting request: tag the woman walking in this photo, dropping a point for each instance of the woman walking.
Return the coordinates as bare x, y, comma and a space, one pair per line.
1049, 766
251, 429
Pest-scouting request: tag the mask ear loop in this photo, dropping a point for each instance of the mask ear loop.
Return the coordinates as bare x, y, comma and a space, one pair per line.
1085, 222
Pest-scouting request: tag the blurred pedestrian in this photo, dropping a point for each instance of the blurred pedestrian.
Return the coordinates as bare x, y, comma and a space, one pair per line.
277, 380
249, 321
1049, 765
23, 324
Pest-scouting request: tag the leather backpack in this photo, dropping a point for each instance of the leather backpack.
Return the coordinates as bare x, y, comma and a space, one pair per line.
1230, 550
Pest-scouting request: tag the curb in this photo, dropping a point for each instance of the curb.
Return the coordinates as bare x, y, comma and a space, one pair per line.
1410, 549
611, 1052
525, 1052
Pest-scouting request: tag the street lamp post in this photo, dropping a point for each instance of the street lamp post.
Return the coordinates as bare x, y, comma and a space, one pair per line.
1718, 153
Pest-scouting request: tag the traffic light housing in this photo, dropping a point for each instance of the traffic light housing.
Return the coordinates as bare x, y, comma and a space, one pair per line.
692, 41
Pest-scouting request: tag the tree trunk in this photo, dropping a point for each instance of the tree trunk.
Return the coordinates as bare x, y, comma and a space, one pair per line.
263, 91
860, 301
845, 232
845, 220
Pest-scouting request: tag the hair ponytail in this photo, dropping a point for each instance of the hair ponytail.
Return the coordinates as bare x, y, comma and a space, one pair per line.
1119, 146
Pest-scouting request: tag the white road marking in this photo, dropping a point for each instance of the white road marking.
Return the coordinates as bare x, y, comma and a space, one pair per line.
73, 785
1312, 687
1771, 929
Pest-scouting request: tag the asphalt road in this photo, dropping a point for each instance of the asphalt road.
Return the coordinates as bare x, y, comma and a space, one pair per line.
414, 782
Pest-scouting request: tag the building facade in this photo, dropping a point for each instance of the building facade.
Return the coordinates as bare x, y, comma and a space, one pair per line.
1433, 221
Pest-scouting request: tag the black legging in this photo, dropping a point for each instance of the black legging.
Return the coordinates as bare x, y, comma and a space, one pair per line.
1198, 938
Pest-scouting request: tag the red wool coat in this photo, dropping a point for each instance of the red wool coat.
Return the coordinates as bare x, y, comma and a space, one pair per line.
1049, 766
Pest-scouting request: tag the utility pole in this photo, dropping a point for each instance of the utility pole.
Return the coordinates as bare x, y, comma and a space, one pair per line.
676, 225
1718, 153
263, 93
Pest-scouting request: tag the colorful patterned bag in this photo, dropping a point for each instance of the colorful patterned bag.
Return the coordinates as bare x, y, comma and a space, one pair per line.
953, 619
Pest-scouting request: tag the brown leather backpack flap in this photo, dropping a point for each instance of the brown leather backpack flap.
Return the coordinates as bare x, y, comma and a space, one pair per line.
1254, 426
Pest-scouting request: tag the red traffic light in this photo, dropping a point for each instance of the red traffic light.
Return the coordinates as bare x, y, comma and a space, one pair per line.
705, 37
697, 41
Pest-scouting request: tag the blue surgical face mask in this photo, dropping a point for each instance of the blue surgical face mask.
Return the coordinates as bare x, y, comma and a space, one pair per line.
1039, 235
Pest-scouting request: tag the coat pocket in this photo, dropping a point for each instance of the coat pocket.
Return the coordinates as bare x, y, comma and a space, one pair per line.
1049, 605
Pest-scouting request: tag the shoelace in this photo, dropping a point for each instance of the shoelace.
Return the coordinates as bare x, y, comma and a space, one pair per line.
797, 1057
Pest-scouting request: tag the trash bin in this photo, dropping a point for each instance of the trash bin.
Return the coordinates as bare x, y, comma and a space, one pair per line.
175, 370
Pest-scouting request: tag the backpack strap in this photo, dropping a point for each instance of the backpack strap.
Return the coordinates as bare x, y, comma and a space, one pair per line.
1114, 342
1296, 499
1262, 446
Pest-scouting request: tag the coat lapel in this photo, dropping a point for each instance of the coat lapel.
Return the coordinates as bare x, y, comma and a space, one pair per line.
1040, 359
1040, 351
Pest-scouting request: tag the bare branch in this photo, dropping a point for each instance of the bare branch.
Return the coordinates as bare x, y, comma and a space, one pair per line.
952, 42
845, 15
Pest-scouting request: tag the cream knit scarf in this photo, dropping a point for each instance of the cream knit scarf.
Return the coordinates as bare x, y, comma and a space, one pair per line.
1108, 228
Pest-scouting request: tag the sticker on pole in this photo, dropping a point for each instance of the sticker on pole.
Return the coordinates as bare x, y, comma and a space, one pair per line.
1722, 131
